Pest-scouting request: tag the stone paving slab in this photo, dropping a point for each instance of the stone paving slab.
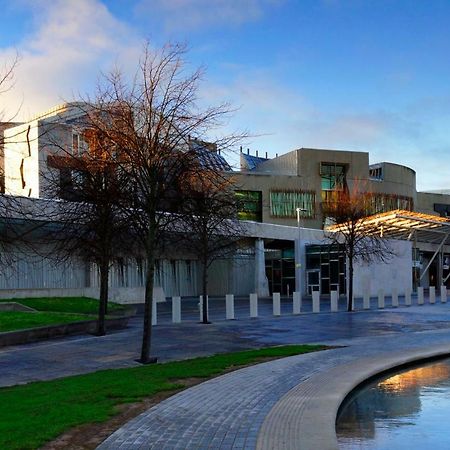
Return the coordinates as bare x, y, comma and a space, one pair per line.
261, 406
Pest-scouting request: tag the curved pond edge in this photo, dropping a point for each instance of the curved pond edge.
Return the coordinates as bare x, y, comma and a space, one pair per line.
305, 417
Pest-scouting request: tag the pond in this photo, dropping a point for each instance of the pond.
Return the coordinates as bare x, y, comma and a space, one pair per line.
406, 411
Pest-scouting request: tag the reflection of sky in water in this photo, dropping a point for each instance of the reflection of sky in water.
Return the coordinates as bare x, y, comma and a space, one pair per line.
407, 411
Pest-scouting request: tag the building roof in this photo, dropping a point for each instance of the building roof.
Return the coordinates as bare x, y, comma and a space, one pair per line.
249, 162
408, 225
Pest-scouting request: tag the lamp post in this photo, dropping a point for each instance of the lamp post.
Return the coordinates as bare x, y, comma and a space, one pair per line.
298, 254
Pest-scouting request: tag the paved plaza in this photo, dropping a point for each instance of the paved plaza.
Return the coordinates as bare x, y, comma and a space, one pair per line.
261, 406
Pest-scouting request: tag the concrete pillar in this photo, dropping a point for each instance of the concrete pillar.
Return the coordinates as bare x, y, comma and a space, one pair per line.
253, 305
201, 307
316, 301
261, 282
334, 301
420, 295
276, 304
176, 309
432, 295
296, 303
229, 306
380, 298
407, 297
443, 294
394, 298
366, 299
298, 267
154, 311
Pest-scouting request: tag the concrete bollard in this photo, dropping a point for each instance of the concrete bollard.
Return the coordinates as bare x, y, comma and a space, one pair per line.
229, 306
253, 305
432, 295
296, 303
154, 312
407, 297
443, 294
420, 295
316, 301
201, 307
366, 300
334, 301
276, 304
176, 309
380, 298
394, 298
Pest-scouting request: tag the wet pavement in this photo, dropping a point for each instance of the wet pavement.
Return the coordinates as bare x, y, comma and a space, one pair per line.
86, 353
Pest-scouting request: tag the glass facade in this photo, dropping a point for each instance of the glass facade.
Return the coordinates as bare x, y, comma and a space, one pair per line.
285, 204
249, 205
332, 176
377, 203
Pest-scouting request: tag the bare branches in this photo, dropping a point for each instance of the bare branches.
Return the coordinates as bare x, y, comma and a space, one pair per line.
347, 211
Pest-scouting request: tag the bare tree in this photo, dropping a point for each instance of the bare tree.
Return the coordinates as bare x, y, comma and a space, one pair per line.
151, 120
347, 211
212, 229
90, 223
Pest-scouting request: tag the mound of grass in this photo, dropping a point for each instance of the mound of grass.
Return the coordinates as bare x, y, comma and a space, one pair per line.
79, 305
33, 414
20, 320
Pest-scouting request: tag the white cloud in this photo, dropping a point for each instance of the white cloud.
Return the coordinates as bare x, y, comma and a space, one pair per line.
71, 41
201, 14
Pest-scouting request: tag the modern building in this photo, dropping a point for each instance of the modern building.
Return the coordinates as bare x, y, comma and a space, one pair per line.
280, 198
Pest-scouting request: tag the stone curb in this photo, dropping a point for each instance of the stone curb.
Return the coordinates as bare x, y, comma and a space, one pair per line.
304, 418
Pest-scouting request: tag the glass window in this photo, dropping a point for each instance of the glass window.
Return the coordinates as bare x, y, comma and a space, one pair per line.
285, 204
249, 205
332, 176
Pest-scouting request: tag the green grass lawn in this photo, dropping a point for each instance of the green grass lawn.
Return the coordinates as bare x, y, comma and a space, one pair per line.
80, 305
33, 414
19, 320
51, 311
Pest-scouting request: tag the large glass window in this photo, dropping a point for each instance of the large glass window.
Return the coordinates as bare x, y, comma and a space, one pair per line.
285, 204
377, 203
249, 205
332, 176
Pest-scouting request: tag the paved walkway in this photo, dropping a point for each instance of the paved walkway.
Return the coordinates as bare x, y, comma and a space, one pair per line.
242, 409
82, 354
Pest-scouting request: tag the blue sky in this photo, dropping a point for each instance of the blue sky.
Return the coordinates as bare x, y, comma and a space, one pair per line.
368, 75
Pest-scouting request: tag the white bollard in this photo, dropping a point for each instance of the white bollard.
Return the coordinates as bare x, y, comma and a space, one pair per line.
296, 303
334, 301
420, 295
201, 307
366, 300
394, 298
229, 306
253, 305
154, 312
276, 304
432, 295
316, 301
407, 297
176, 309
443, 294
380, 298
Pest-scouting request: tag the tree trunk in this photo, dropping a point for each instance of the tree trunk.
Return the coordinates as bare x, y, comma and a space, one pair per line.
205, 291
102, 307
147, 330
350, 284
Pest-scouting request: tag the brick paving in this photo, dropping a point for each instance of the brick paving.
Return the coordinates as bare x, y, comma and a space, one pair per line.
228, 412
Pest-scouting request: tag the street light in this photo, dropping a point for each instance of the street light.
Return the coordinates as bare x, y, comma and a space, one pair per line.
298, 259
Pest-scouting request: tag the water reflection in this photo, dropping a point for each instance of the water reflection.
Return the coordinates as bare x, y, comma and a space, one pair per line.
403, 411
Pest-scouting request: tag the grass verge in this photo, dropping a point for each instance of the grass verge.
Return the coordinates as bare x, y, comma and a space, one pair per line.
78, 305
18, 320
33, 414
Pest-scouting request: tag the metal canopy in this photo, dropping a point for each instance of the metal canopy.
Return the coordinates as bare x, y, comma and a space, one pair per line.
409, 225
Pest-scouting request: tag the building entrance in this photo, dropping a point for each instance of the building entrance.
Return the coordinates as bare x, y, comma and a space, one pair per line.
325, 269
